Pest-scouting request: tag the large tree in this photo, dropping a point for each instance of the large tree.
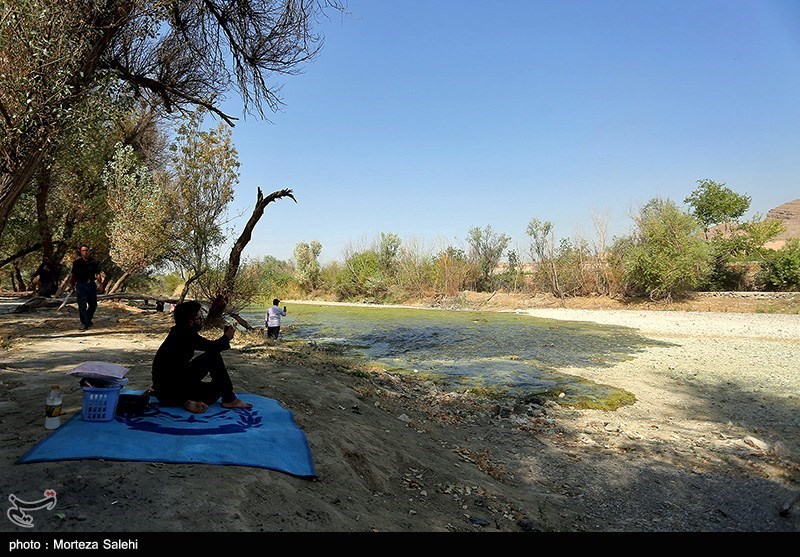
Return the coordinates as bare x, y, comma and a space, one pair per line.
714, 203
306, 256
139, 224
54, 54
205, 171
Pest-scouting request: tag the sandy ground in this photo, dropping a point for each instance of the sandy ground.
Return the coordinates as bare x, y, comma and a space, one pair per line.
711, 445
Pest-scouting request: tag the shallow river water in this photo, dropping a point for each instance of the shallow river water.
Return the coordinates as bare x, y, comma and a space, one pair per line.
504, 351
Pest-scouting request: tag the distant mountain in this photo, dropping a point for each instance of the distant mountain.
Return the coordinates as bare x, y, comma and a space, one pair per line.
789, 214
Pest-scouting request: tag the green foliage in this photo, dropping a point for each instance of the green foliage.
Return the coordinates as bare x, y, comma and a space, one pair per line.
241, 293
329, 277
57, 53
308, 268
274, 278
513, 277
541, 233
169, 284
543, 254
22, 229
782, 268
205, 167
387, 252
570, 265
714, 203
452, 271
72, 207
43, 45
486, 248
362, 277
614, 266
735, 254
666, 257
138, 228
414, 271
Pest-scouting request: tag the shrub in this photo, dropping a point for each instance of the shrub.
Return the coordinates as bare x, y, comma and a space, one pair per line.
782, 268
667, 257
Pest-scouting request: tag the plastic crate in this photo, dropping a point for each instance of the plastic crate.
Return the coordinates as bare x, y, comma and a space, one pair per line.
99, 404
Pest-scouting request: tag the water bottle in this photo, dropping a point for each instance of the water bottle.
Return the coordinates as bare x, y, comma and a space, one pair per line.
52, 412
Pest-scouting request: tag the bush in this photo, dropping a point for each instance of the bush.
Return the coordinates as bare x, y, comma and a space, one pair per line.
667, 257
782, 268
361, 277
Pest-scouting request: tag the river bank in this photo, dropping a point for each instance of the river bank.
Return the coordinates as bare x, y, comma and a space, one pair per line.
711, 443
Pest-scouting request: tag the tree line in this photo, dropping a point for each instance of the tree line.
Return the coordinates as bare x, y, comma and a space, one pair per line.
105, 140
671, 252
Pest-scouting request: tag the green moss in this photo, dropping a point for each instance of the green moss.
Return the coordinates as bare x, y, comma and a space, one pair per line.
612, 401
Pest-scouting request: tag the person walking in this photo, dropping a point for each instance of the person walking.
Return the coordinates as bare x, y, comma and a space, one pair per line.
273, 319
86, 280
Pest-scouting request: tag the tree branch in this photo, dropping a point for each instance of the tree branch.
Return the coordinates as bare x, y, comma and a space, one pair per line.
164, 91
220, 302
21, 253
247, 233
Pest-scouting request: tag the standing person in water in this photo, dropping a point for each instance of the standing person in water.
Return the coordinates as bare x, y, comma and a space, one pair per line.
273, 319
178, 375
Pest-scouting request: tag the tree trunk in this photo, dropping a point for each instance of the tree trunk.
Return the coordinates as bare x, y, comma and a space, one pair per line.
20, 281
221, 300
119, 282
241, 321
14, 179
45, 232
188, 283
554, 278
40, 302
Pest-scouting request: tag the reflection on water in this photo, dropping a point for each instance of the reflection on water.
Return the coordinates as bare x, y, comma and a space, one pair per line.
467, 348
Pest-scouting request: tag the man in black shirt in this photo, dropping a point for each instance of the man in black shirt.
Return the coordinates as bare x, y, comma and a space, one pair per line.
85, 271
178, 376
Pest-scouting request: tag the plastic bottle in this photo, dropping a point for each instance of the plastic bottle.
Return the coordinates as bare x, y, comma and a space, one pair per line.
52, 412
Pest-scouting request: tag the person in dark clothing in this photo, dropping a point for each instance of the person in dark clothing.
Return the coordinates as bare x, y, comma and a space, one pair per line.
48, 274
87, 281
178, 375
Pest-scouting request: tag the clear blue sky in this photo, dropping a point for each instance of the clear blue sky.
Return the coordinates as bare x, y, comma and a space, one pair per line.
425, 118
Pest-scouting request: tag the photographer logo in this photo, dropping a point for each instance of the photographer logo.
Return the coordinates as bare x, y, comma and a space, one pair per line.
18, 512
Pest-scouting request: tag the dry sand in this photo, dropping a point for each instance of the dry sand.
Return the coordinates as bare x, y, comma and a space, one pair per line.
711, 444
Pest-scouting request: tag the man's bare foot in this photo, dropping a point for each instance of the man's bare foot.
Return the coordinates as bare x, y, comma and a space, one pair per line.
195, 407
236, 403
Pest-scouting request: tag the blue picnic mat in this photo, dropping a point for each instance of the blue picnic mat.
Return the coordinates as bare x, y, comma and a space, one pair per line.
264, 436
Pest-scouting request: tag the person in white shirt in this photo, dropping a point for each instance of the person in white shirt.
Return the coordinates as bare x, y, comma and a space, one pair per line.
273, 319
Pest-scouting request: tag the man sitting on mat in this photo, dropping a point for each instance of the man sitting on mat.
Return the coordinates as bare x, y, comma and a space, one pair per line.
178, 376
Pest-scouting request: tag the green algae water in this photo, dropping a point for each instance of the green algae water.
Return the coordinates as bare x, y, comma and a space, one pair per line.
502, 352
